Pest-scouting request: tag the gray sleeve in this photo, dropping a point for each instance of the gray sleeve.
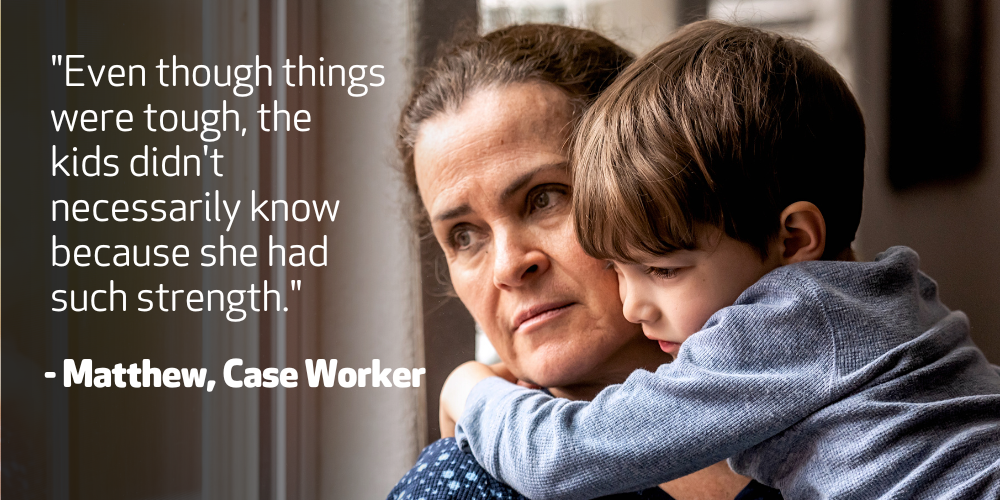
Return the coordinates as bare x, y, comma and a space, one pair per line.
754, 371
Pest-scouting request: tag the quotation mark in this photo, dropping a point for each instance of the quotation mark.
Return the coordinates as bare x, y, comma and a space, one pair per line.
296, 286
56, 58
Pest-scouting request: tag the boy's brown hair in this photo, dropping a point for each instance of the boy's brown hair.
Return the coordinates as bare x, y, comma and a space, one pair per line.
722, 126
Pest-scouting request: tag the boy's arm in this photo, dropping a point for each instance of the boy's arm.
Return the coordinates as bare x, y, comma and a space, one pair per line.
728, 391
456, 390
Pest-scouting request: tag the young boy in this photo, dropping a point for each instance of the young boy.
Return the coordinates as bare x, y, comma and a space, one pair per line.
722, 176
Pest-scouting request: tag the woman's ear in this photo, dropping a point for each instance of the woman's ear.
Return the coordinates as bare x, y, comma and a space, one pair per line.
802, 235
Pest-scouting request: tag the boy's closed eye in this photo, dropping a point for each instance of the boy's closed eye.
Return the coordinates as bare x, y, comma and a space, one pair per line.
659, 272
663, 272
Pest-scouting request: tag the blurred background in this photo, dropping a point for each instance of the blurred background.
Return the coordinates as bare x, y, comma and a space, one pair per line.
927, 74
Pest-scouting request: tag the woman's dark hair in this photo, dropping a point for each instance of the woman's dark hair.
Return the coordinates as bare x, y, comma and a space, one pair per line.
579, 62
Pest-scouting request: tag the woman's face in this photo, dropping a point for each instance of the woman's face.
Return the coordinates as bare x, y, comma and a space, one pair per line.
495, 181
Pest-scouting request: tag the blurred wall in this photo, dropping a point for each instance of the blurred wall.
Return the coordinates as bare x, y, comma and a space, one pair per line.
83, 443
369, 308
157, 443
954, 225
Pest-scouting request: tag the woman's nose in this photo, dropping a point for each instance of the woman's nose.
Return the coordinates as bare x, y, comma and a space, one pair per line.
518, 260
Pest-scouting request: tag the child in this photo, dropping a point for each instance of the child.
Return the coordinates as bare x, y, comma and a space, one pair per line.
722, 175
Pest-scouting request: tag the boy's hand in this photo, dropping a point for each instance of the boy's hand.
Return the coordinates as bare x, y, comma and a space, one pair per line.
500, 370
457, 388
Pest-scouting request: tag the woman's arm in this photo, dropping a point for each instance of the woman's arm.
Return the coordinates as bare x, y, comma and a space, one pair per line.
715, 482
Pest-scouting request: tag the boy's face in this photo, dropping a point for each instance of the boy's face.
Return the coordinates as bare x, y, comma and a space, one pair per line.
672, 296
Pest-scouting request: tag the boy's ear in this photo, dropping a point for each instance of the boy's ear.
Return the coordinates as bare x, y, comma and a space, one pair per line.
802, 235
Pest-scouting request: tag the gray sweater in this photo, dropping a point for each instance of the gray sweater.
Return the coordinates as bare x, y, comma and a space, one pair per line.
824, 380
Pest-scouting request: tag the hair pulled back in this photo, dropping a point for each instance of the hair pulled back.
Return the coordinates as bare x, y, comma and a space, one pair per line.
579, 62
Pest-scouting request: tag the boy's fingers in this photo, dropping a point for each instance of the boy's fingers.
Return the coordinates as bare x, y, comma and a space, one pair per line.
501, 370
456, 390
447, 423
529, 385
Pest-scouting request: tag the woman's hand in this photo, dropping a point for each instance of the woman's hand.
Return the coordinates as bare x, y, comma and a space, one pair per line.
457, 388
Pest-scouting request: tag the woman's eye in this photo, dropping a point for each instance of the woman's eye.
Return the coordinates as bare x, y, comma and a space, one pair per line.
540, 200
461, 237
545, 197
662, 272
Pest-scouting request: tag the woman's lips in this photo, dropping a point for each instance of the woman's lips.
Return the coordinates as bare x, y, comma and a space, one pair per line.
538, 314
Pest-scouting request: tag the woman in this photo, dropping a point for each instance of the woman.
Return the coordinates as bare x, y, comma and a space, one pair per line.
484, 142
